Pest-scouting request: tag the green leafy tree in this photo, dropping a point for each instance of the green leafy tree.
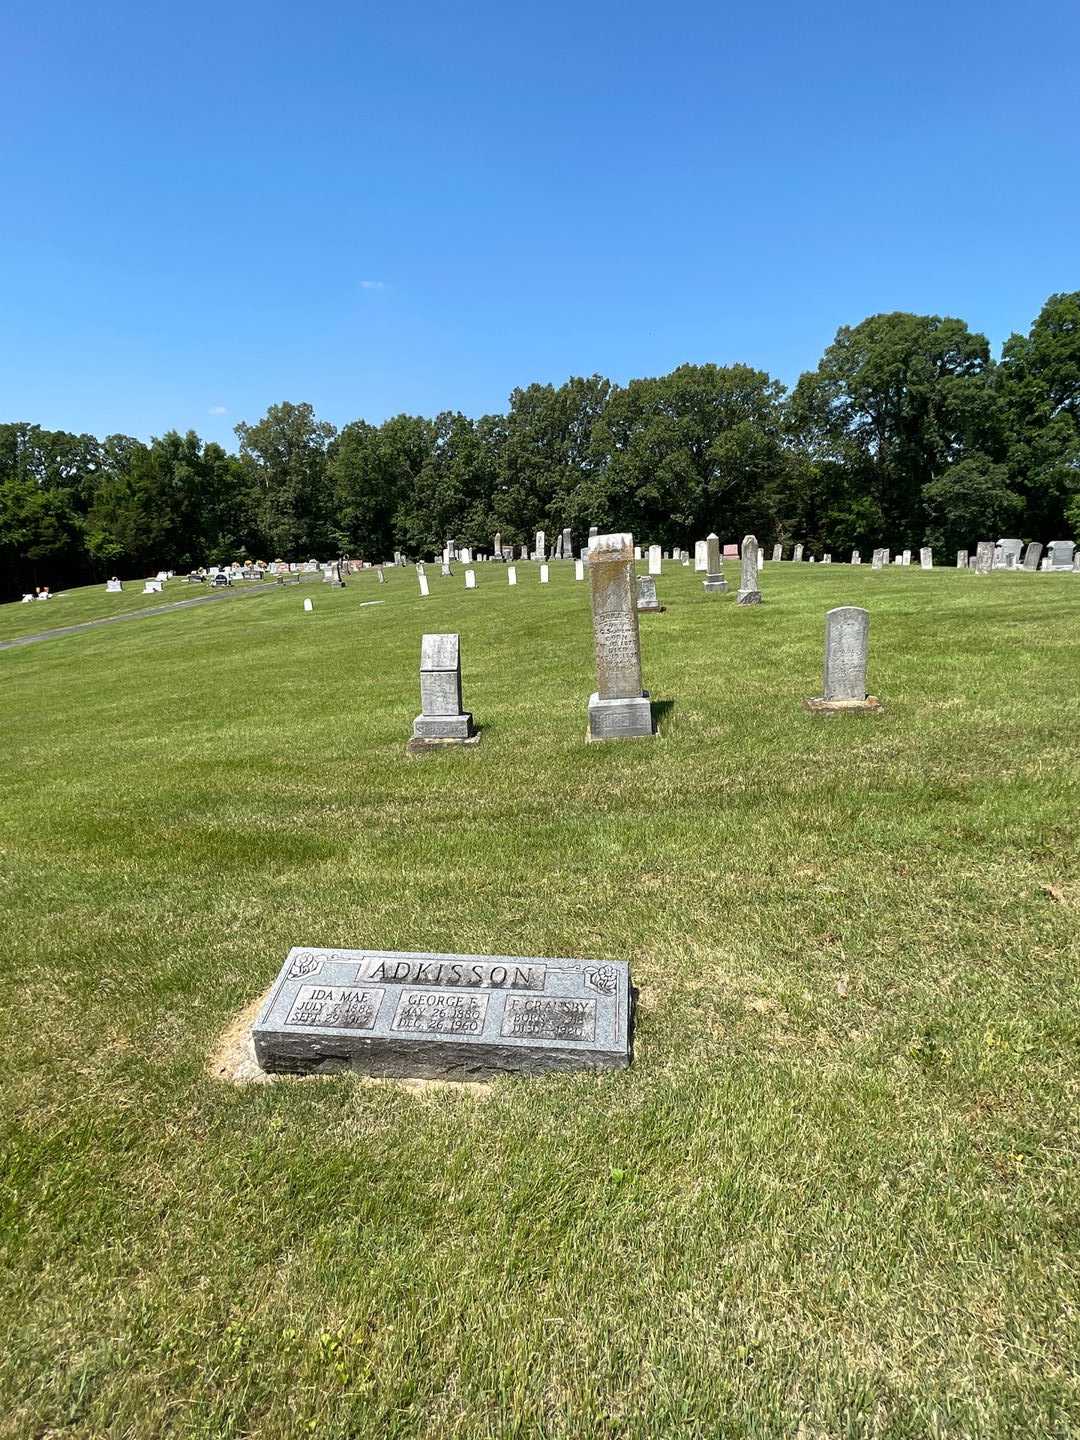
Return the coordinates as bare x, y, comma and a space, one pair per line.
971, 501
285, 457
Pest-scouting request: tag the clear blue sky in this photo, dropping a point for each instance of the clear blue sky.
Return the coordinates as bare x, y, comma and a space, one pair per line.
207, 208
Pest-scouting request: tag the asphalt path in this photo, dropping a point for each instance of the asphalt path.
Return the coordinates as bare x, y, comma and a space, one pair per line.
221, 594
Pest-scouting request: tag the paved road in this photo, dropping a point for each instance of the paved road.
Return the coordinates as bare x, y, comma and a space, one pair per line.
265, 589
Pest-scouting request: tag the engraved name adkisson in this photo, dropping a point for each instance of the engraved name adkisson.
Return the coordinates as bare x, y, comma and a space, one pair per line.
554, 1019
440, 1014
435, 972
338, 1007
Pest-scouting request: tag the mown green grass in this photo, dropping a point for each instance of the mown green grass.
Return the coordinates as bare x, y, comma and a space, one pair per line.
92, 602
836, 1193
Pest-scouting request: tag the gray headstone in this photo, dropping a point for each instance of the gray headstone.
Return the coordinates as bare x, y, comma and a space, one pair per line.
856, 558
619, 708
457, 1017
797, 553
778, 551
847, 642
748, 592
593, 532
926, 558
441, 717
714, 572
541, 546
1061, 555
984, 557
961, 559
877, 560
1007, 555
646, 598
1032, 555
567, 544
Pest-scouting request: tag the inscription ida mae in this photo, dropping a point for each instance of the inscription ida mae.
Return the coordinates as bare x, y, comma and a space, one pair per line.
447, 1016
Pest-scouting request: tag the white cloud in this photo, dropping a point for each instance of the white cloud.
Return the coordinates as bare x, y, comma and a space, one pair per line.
217, 410
372, 285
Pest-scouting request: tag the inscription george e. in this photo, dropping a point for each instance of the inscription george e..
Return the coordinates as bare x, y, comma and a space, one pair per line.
336, 1006
441, 1014
439, 972
549, 1019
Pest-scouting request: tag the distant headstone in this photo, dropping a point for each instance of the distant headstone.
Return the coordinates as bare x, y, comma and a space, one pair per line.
511, 574
926, 558
826, 559
714, 573
541, 546
579, 570
523, 552
308, 606
446, 569
877, 560
984, 557
1007, 556
906, 557
797, 554
470, 579
637, 552
856, 557
466, 555
497, 547
458, 1017
113, 587
748, 592
778, 551
961, 559
382, 577
593, 532
619, 707
654, 560
1032, 555
701, 555
567, 543
442, 720
647, 602
760, 559
543, 574
422, 580
1061, 555
847, 643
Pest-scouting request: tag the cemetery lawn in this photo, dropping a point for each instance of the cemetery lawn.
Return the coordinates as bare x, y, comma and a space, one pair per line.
836, 1193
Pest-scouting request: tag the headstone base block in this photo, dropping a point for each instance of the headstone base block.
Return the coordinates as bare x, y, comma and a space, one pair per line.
870, 706
629, 719
714, 582
748, 597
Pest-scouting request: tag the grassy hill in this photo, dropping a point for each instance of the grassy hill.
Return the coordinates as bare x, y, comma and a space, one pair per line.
836, 1193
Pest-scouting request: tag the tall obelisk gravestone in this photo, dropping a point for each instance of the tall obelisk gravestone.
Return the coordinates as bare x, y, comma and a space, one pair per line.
748, 593
619, 709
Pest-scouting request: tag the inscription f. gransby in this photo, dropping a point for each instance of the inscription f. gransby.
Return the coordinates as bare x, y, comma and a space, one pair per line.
620, 708
847, 645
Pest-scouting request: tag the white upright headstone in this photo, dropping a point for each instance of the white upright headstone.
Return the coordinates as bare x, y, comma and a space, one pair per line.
470, 579
423, 581
701, 556
308, 606
655, 567
543, 574
579, 570
511, 574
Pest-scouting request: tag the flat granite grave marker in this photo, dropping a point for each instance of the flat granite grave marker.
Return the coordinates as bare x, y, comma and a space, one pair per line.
445, 1017
748, 592
619, 708
847, 645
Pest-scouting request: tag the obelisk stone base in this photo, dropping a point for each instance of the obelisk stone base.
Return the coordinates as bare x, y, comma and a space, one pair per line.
714, 582
870, 706
436, 732
748, 597
620, 719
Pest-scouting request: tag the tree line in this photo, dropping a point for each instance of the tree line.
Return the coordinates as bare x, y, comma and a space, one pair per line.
908, 432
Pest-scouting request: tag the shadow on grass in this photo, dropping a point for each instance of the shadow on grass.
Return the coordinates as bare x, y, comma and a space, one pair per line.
661, 709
